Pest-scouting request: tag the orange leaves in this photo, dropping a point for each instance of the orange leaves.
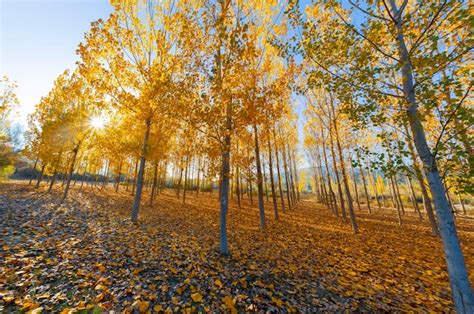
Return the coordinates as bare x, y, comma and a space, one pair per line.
307, 261
229, 304
197, 297
141, 306
218, 283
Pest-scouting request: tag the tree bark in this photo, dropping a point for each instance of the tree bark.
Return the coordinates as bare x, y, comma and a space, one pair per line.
261, 208
339, 188
282, 199
355, 227
272, 183
462, 292
40, 176
71, 170
141, 172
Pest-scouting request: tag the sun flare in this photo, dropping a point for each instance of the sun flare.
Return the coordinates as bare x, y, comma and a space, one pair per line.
97, 122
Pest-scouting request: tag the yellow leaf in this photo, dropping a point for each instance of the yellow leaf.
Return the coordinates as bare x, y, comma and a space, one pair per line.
277, 302
218, 283
36, 311
142, 306
158, 308
197, 297
100, 287
228, 301
100, 297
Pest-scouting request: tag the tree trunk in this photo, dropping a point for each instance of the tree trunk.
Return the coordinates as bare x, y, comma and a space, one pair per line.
272, 183
83, 176
295, 169
34, 168
117, 179
135, 175
460, 286
71, 170
345, 180
181, 170
374, 184
332, 195
282, 199
413, 198
186, 165
285, 166
261, 207
339, 188
141, 172
395, 200
355, 188
224, 195
327, 201
155, 181
364, 183
40, 176
53, 178
397, 193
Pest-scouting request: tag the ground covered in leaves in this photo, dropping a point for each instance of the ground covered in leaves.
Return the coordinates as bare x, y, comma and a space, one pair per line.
86, 255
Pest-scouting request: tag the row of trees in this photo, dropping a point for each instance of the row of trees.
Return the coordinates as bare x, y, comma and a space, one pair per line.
197, 93
8, 102
397, 72
190, 90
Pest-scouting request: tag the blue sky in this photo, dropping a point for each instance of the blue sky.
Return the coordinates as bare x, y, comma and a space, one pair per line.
38, 39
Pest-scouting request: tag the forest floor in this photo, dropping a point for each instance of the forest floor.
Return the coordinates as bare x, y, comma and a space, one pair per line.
86, 255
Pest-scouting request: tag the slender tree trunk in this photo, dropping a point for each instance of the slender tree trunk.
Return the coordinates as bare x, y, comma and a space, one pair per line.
34, 170
272, 183
84, 174
237, 186
364, 183
397, 194
40, 176
460, 286
135, 175
290, 171
462, 205
355, 188
264, 178
198, 181
181, 170
282, 199
332, 195
395, 199
155, 181
141, 172
295, 170
261, 207
70, 172
285, 166
374, 184
53, 178
355, 227
326, 196
413, 198
224, 198
250, 187
117, 179
185, 178
339, 188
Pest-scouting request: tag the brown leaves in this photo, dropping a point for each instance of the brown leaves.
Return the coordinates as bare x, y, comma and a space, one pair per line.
306, 262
